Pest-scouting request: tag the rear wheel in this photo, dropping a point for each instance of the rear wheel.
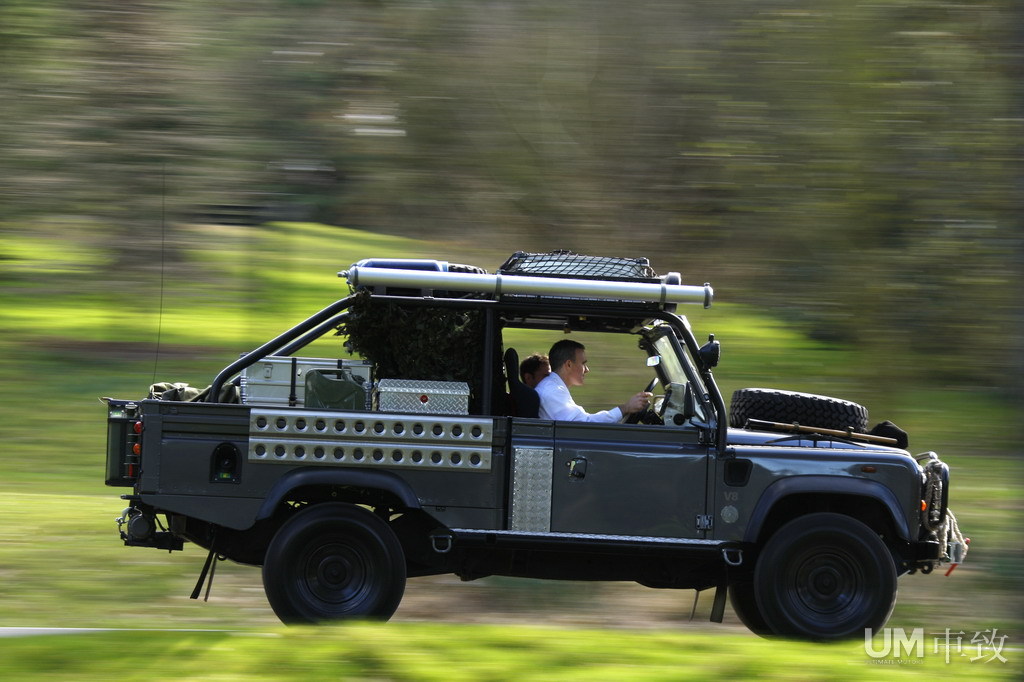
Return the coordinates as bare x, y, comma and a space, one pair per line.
825, 576
331, 562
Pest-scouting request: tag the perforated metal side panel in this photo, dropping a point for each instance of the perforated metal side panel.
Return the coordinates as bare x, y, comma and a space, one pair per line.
370, 439
531, 489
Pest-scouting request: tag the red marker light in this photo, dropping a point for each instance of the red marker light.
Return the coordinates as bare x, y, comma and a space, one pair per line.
137, 449
424, 399
137, 427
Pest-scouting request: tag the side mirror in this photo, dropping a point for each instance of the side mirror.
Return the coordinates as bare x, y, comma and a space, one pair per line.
710, 352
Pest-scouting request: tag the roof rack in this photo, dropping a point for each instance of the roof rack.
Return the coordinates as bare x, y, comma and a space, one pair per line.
569, 264
664, 292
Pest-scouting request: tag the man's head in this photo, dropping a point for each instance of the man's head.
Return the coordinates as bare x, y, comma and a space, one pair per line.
569, 361
534, 368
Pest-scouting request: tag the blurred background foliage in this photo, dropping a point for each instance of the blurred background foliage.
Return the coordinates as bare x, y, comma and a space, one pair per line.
856, 165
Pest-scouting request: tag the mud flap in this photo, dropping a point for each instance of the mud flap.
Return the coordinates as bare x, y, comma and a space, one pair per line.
209, 568
718, 607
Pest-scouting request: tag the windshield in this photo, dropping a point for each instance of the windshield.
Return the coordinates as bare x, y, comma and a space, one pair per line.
671, 364
676, 367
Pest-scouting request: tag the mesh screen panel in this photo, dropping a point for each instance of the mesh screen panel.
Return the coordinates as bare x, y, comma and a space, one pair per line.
574, 265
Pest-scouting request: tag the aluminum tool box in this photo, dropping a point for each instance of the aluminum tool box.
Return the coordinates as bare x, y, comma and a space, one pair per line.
428, 397
277, 380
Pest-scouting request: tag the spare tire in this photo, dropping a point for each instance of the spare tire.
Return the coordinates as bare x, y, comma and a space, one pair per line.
788, 407
468, 269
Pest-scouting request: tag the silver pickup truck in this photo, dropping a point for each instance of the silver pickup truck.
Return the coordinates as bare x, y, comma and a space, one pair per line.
419, 451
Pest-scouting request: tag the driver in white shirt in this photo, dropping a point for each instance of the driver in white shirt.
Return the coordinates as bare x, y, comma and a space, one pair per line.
568, 368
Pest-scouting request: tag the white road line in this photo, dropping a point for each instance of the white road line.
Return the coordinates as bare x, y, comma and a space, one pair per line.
32, 632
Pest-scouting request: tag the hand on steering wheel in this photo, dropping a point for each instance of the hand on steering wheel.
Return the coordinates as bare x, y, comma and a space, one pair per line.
636, 417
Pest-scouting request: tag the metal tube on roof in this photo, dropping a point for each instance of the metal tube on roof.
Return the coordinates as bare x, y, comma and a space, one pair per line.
498, 285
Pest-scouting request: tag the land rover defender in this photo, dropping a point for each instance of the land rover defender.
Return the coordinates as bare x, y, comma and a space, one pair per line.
417, 450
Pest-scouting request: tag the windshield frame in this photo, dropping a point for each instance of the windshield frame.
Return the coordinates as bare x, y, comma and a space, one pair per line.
677, 366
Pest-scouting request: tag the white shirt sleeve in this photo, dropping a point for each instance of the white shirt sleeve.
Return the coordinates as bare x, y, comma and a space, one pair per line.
556, 403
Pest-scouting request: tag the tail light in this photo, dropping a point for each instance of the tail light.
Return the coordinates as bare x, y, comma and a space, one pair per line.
124, 442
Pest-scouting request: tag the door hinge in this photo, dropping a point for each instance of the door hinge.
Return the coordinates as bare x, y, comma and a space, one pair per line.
705, 521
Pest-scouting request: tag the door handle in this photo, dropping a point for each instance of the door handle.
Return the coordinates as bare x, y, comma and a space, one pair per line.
577, 467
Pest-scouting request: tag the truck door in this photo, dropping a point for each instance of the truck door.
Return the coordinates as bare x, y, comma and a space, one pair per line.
628, 479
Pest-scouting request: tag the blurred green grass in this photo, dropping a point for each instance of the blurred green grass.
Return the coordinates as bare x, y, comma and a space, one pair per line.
74, 328
452, 653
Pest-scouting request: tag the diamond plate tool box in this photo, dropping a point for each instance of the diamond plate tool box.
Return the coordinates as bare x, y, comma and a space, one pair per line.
428, 397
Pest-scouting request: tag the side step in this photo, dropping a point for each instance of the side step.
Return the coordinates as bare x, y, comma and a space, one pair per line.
444, 541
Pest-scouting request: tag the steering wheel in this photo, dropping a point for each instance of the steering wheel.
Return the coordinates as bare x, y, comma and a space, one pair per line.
637, 417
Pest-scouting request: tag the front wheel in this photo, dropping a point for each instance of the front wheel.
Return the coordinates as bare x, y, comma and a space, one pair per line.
334, 561
825, 576
744, 604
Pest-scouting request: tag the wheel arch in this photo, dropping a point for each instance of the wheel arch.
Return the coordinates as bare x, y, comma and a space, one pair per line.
393, 487
867, 501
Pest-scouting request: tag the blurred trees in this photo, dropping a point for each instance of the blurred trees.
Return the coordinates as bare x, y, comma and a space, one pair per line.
857, 165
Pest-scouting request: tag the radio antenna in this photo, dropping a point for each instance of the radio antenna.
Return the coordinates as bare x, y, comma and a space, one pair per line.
163, 244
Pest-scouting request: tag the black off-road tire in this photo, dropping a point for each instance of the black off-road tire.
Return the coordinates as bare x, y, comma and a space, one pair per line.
788, 407
467, 269
459, 268
334, 561
744, 603
825, 576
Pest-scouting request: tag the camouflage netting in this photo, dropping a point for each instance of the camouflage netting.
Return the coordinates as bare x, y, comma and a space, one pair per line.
427, 343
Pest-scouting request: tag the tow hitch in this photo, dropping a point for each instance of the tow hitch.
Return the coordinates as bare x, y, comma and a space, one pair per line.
139, 529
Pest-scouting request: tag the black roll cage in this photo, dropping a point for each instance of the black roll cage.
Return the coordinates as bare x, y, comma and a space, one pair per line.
524, 313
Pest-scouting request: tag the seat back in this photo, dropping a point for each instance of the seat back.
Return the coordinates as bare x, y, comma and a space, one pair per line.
524, 400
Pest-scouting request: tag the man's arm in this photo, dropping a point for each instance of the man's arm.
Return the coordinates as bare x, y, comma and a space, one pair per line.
578, 414
556, 403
